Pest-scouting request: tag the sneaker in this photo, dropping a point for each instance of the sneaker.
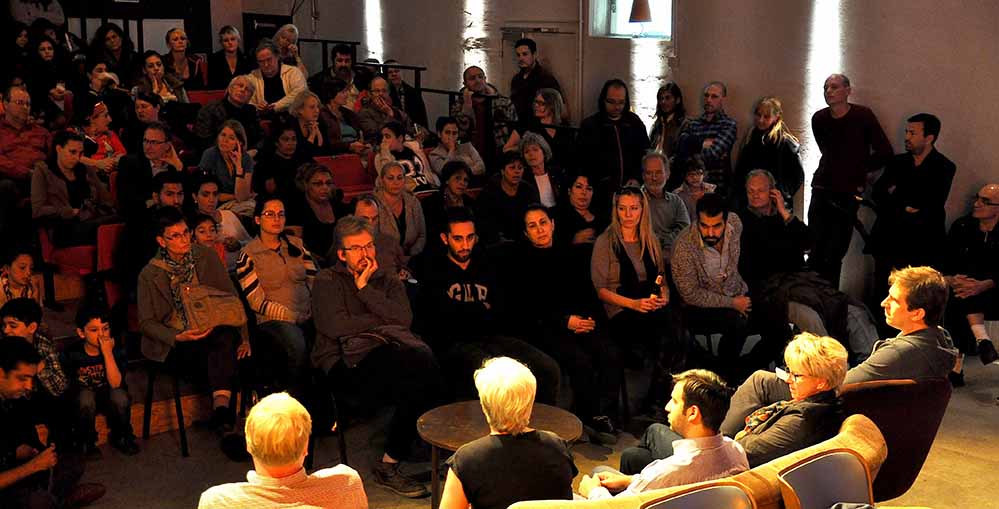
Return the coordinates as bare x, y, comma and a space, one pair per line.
601, 430
223, 419
125, 445
987, 352
389, 476
956, 379
84, 494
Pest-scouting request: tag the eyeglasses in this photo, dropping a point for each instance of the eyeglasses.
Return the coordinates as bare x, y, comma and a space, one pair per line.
369, 247
787, 375
270, 214
183, 234
985, 201
146, 141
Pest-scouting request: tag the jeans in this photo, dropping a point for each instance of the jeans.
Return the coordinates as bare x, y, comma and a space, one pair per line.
289, 340
463, 358
656, 443
115, 404
761, 389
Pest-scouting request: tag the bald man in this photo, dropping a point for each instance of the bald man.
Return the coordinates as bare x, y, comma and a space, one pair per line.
972, 271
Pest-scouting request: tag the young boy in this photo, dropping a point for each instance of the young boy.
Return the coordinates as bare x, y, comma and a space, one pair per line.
97, 369
22, 318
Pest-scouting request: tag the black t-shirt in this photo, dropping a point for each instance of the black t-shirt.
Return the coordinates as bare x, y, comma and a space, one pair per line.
273, 89
499, 470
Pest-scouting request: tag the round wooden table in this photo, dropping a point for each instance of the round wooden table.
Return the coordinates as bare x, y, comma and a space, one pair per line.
452, 426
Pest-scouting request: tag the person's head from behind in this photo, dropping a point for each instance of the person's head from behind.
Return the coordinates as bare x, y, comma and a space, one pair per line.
459, 235
168, 189
526, 49
19, 267
921, 133
172, 234
343, 61
814, 364
712, 214
455, 176
204, 230
614, 99
241, 88
916, 299
156, 141
93, 324
693, 171
21, 318
277, 432
506, 392
366, 207
655, 171
539, 227
698, 403
206, 194
355, 243
19, 363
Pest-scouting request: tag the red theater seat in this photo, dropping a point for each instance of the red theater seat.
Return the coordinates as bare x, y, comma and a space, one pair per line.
349, 175
204, 97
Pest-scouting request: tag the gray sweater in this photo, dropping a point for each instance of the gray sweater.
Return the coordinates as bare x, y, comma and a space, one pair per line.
696, 287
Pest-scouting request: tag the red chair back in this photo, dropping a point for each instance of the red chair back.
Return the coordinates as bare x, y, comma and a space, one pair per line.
349, 175
204, 97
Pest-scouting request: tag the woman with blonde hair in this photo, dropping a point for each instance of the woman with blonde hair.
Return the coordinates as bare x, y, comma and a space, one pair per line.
514, 462
770, 146
627, 268
400, 215
182, 64
310, 127
816, 367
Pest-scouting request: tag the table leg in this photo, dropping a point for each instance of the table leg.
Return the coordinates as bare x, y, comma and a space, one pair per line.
435, 481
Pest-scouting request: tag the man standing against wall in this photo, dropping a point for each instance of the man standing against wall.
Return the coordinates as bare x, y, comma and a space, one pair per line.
531, 78
852, 144
711, 136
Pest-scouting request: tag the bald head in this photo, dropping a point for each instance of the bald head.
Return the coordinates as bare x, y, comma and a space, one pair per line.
986, 206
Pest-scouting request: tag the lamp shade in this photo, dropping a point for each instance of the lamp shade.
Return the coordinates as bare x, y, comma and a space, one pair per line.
640, 12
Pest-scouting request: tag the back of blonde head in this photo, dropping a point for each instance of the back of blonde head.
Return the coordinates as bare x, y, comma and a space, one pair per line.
277, 430
506, 391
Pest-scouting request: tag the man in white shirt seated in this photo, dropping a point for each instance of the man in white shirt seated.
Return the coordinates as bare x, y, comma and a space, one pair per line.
691, 447
277, 436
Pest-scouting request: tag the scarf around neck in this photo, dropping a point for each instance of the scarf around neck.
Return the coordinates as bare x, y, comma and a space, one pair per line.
180, 273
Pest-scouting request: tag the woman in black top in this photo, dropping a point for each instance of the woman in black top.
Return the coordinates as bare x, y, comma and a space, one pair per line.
47, 83
453, 193
503, 200
343, 128
111, 46
317, 209
182, 65
548, 111
309, 126
771, 146
277, 165
228, 62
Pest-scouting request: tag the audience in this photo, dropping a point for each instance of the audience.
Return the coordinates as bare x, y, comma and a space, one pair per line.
343, 126
667, 210
694, 187
378, 110
687, 449
231, 232
22, 144
234, 106
545, 120
277, 164
579, 225
228, 62
50, 74
532, 77
409, 99
342, 67
387, 250
513, 462
111, 46
479, 105
711, 136
310, 127
102, 149
277, 438
614, 139
136, 171
17, 276
181, 64
671, 116
228, 161
450, 149
455, 176
502, 200
362, 321
155, 80
770, 146
275, 84
537, 154
286, 39
400, 213
317, 207
146, 111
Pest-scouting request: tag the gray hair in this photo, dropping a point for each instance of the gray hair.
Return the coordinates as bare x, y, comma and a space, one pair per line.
842, 77
506, 393
367, 198
299, 102
720, 85
762, 173
652, 154
268, 45
244, 79
292, 29
348, 226
553, 100
531, 138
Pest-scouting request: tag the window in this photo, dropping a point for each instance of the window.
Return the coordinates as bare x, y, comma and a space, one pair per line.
610, 18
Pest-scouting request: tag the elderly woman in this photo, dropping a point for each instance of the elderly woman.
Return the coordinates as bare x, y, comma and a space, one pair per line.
228, 62
514, 462
454, 193
816, 367
395, 148
316, 209
400, 215
310, 128
183, 66
229, 162
68, 196
547, 112
537, 154
343, 128
286, 39
275, 272
503, 200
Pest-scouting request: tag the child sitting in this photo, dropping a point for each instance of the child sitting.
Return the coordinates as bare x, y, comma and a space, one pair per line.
694, 186
97, 369
16, 276
204, 231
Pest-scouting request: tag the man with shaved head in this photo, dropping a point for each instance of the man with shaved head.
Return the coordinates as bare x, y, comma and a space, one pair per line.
972, 271
379, 109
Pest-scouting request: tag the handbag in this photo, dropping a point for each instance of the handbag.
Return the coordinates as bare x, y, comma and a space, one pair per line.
205, 306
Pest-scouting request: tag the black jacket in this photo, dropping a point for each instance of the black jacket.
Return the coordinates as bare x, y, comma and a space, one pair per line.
780, 159
795, 427
614, 149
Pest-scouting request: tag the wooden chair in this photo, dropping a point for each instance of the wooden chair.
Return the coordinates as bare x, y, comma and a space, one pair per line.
826, 478
711, 495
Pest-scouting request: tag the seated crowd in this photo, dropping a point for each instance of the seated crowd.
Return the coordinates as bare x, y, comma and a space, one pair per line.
492, 256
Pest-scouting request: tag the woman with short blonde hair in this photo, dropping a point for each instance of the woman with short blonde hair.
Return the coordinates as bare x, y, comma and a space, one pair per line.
514, 462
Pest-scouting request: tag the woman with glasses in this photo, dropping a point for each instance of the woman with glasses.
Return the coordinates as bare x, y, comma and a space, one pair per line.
229, 162
316, 208
276, 272
627, 268
400, 215
230, 230
548, 112
228, 62
816, 367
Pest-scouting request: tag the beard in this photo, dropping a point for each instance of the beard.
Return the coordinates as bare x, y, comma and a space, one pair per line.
711, 241
461, 256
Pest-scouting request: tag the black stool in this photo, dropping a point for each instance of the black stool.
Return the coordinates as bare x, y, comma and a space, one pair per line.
152, 369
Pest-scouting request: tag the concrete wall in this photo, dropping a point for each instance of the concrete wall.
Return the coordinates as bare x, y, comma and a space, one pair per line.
903, 56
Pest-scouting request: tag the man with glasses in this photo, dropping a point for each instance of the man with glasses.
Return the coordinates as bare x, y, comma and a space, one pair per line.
136, 171
22, 144
972, 268
362, 319
469, 109
711, 136
614, 139
378, 109
275, 85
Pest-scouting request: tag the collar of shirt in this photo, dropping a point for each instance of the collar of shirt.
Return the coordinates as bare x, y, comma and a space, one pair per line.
262, 480
690, 446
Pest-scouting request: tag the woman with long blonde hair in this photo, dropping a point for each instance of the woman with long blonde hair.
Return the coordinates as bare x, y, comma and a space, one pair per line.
770, 146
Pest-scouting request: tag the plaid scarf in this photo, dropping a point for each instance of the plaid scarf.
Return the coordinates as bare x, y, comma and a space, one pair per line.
181, 273
762, 415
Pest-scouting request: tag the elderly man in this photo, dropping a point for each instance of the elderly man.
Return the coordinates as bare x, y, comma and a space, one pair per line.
378, 110
614, 139
275, 84
22, 144
667, 210
711, 136
277, 437
408, 98
972, 268
236, 106
914, 306
852, 144
474, 119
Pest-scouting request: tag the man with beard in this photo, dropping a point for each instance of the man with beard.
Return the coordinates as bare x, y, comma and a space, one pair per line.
705, 269
275, 84
470, 109
362, 319
235, 105
463, 314
342, 59
614, 139
711, 136
531, 78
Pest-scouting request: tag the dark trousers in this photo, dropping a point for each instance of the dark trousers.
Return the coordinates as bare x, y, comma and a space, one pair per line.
408, 378
461, 359
291, 342
212, 357
656, 443
762, 388
55, 412
956, 317
593, 364
32, 492
115, 404
831, 217
733, 327
659, 333
15, 220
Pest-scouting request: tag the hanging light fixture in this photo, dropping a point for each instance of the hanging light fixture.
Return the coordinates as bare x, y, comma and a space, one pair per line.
640, 12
